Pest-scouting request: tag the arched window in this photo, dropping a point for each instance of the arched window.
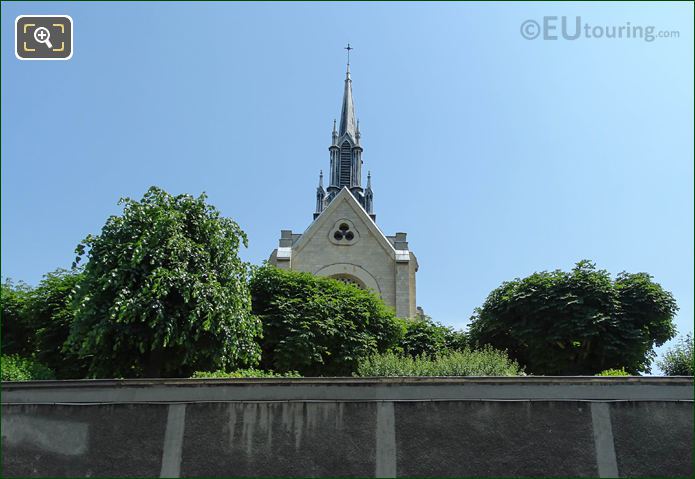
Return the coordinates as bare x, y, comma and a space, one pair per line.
347, 279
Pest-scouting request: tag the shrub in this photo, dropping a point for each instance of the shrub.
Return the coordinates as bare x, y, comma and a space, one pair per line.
319, 326
244, 373
678, 360
614, 372
484, 362
17, 368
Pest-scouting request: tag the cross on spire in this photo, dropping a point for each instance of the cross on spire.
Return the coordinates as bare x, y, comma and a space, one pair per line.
348, 48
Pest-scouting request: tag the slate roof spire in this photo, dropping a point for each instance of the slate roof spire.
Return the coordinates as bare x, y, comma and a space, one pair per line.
347, 115
346, 155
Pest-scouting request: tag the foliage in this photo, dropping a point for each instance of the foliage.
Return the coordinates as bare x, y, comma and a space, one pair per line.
455, 340
614, 372
245, 373
164, 292
577, 322
319, 326
426, 337
17, 368
49, 311
17, 333
678, 360
484, 362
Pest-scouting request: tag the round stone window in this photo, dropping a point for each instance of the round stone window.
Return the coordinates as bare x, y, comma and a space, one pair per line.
344, 233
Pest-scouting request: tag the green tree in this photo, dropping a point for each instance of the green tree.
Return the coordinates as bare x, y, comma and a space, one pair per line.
17, 333
319, 326
164, 292
426, 337
456, 340
678, 360
577, 322
50, 312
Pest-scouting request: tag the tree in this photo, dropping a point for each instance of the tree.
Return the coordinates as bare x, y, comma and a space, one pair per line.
456, 340
577, 322
426, 337
678, 360
164, 292
50, 313
17, 333
319, 326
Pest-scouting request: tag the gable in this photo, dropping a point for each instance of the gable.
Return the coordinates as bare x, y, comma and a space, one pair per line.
344, 203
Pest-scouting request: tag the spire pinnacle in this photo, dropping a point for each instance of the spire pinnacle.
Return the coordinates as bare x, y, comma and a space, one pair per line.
347, 115
369, 180
348, 48
321, 179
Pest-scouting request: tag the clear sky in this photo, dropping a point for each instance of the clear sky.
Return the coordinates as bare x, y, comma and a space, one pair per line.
498, 155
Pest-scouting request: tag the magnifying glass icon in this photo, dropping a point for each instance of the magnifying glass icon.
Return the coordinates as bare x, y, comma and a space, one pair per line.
43, 35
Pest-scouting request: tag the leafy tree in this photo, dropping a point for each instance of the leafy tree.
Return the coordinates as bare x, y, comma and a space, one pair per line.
50, 313
17, 333
164, 292
577, 322
645, 316
423, 337
319, 326
426, 337
678, 360
456, 340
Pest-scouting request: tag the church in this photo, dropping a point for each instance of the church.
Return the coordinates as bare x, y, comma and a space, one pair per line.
343, 241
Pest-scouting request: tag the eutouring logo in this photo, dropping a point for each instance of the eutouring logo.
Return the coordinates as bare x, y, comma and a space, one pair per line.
573, 28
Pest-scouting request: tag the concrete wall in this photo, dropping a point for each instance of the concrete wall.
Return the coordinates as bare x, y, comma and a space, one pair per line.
602, 427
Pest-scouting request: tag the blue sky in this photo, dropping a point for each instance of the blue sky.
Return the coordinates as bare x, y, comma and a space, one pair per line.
500, 156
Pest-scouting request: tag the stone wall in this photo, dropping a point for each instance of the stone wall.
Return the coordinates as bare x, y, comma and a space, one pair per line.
532, 426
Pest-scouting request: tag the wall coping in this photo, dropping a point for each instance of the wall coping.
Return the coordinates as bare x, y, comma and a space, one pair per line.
526, 388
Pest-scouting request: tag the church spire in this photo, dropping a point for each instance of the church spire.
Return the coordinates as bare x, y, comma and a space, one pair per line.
346, 155
347, 115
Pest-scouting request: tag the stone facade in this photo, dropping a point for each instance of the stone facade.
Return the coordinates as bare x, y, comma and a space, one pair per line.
344, 241
368, 259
